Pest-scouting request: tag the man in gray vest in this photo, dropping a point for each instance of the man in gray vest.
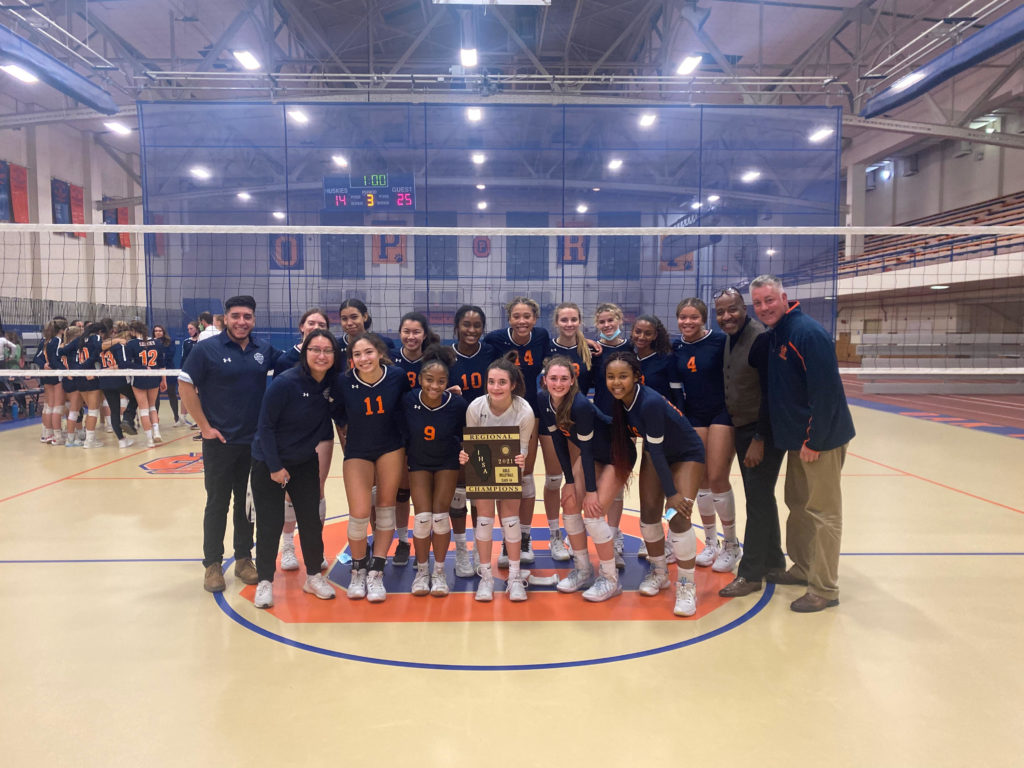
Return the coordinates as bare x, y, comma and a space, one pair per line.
745, 373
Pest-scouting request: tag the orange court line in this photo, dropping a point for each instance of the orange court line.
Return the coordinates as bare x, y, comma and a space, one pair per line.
90, 469
941, 485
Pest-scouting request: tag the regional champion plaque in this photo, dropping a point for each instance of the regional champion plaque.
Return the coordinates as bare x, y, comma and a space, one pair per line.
491, 472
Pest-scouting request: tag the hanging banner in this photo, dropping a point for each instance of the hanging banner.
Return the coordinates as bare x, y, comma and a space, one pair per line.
60, 201
574, 249
77, 197
19, 193
5, 191
110, 217
124, 216
285, 252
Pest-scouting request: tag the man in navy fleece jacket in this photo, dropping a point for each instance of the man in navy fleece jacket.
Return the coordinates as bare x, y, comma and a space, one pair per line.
811, 422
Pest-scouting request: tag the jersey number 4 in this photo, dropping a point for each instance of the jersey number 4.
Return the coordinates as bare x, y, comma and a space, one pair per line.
691, 364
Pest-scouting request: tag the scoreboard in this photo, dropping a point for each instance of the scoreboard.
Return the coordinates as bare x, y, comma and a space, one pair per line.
371, 190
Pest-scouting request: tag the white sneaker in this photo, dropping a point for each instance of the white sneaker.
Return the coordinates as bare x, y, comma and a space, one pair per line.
642, 551
71, 442
620, 561
357, 586
686, 599
526, 550
94, 443
602, 589
653, 583
516, 589
485, 589
727, 558
157, 438
575, 581
559, 551
421, 582
463, 564
289, 562
150, 443
438, 581
375, 591
317, 585
707, 555
179, 423
188, 421
264, 595
108, 429
503, 557
125, 442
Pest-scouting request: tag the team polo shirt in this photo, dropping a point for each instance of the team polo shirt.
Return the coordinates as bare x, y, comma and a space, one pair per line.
668, 436
435, 434
529, 357
231, 382
590, 432
470, 371
699, 366
292, 415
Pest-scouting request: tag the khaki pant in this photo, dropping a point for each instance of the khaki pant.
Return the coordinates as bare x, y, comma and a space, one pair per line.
815, 526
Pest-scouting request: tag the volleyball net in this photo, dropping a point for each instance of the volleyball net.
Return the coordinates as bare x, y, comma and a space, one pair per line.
897, 300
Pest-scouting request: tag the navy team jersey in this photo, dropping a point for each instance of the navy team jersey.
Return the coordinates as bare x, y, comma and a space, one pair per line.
89, 350
590, 433
372, 412
186, 349
112, 359
602, 397
286, 360
529, 357
143, 354
67, 354
164, 355
584, 375
411, 367
660, 374
434, 434
668, 436
699, 366
470, 371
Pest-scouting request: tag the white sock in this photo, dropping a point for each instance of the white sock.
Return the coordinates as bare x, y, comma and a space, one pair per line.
553, 527
582, 560
149, 434
460, 539
609, 571
403, 534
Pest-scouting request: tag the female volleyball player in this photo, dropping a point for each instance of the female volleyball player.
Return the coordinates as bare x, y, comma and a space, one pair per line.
284, 460
653, 348
312, 320
143, 354
367, 401
68, 352
415, 335
165, 359
113, 357
669, 477
90, 353
593, 480
192, 329
608, 320
468, 377
700, 357
434, 419
355, 320
503, 406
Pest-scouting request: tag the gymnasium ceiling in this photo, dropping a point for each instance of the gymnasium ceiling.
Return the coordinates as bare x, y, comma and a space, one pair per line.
790, 52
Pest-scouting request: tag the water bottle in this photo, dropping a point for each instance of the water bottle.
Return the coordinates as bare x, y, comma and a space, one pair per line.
14, 411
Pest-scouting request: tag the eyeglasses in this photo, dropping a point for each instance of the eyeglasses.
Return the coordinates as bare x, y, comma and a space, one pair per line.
325, 351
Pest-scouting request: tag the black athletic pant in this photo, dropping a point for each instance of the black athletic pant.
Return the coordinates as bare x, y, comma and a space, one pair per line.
268, 497
172, 396
226, 473
113, 397
132, 408
762, 541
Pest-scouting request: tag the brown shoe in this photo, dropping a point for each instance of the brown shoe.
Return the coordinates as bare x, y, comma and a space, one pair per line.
739, 587
245, 570
812, 603
213, 581
785, 578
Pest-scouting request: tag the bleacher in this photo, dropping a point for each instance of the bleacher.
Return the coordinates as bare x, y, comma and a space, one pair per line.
887, 252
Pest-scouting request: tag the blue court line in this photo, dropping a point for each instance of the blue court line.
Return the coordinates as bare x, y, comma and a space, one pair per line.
753, 611
913, 413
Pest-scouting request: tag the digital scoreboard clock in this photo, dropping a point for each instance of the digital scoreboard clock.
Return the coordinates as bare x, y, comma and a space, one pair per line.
371, 190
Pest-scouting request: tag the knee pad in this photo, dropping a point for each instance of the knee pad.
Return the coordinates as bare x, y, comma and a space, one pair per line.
484, 525
289, 512
597, 529
124, 402
47, 410
73, 416
529, 488
511, 529
357, 528
552, 482
385, 518
684, 544
573, 524
421, 525
152, 409
440, 523
323, 511
459, 499
58, 409
403, 495
652, 532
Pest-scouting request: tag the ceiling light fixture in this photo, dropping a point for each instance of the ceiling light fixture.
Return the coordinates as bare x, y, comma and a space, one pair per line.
614, 164
713, 198
21, 74
468, 57
474, 114
820, 135
647, 119
244, 197
695, 205
481, 187
200, 172
478, 158
770, 252
482, 205
582, 208
118, 127
750, 176
279, 215
340, 160
298, 116
939, 287
246, 59
690, 63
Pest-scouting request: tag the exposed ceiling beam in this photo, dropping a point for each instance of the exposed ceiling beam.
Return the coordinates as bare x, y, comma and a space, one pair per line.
431, 23
521, 43
692, 17
642, 15
983, 98
938, 131
222, 42
122, 162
